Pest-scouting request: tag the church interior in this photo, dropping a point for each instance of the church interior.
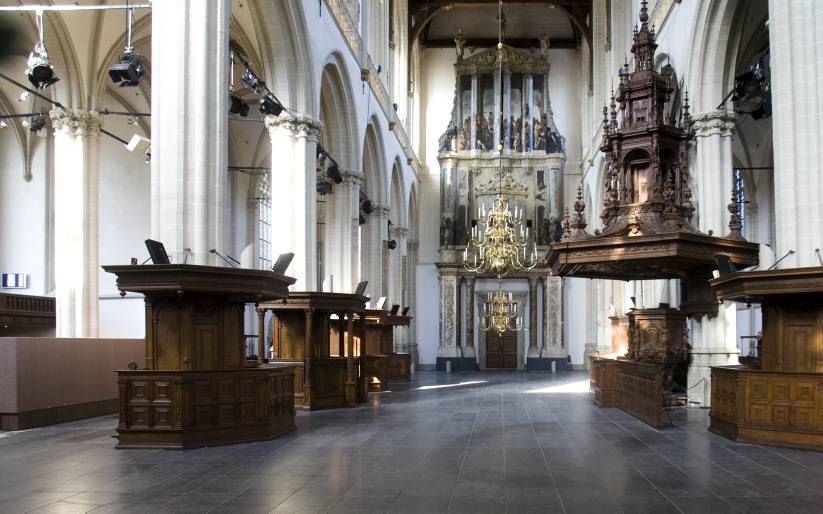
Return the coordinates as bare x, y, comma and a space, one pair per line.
411, 256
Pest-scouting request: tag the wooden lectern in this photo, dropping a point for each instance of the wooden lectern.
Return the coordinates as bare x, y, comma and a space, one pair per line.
780, 402
328, 373
196, 389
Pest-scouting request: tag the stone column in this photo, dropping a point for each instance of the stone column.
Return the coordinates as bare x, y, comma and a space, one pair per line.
76, 182
189, 131
711, 171
469, 350
294, 195
448, 314
412, 246
533, 352
795, 38
552, 318
713, 338
342, 235
372, 270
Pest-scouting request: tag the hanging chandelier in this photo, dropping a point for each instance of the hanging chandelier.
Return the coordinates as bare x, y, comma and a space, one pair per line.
500, 242
500, 313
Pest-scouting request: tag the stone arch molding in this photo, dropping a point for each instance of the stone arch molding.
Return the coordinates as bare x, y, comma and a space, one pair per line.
337, 113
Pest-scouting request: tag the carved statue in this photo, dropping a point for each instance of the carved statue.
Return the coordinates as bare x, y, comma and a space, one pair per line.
446, 141
459, 44
544, 46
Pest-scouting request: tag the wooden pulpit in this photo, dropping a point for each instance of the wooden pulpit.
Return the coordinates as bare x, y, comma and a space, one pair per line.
780, 401
197, 388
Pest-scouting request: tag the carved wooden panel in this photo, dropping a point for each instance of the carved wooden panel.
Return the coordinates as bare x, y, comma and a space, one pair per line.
398, 367
224, 407
768, 407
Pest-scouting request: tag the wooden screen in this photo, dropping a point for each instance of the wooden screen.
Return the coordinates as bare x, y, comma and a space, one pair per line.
501, 350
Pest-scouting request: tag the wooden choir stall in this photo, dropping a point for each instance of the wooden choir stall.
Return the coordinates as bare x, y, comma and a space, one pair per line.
776, 398
383, 364
197, 388
315, 332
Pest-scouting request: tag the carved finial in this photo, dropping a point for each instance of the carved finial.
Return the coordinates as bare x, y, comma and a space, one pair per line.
735, 220
565, 225
644, 12
613, 112
687, 119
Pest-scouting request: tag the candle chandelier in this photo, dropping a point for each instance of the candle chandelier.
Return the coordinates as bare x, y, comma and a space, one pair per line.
500, 242
500, 313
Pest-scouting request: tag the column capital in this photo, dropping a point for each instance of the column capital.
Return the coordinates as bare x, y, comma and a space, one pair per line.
381, 210
353, 177
398, 232
709, 123
295, 125
76, 122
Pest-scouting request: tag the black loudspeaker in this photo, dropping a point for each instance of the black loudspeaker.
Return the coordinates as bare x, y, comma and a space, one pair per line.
157, 252
724, 265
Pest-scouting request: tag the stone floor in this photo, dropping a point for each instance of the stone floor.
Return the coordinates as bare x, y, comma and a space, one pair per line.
464, 442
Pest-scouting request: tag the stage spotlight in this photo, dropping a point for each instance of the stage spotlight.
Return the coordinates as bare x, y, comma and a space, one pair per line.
251, 80
40, 71
323, 188
38, 121
367, 206
238, 106
333, 172
128, 71
269, 105
392, 244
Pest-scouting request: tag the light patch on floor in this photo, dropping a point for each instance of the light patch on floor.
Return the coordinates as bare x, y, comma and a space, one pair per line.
572, 387
442, 386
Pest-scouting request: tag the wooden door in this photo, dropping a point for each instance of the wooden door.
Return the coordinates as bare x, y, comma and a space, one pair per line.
501, 350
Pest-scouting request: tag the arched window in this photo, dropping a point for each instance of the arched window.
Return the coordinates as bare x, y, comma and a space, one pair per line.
263, 198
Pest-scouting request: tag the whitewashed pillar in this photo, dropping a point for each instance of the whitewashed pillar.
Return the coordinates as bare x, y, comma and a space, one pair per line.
713, 338
796, 39
294, 195
76, 200
189, 130
376, 232
411, 260
342, 234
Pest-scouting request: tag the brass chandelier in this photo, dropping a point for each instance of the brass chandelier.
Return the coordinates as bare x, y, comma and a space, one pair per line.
500, 313
500, 243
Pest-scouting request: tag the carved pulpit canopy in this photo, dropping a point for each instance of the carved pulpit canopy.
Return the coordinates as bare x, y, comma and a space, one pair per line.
647, 199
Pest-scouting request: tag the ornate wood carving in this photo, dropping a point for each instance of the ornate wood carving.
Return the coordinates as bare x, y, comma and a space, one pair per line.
647, 199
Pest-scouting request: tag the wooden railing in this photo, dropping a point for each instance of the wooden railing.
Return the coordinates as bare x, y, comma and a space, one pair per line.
26, 304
